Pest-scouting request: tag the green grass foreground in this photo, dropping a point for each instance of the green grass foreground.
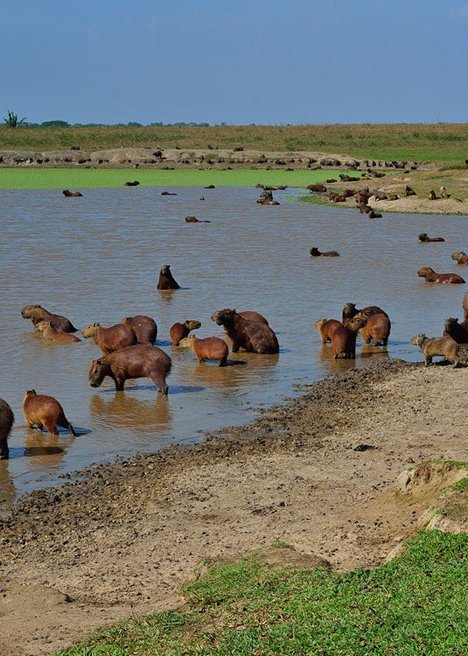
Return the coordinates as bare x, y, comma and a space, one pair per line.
414, 605
438, 142
114, 178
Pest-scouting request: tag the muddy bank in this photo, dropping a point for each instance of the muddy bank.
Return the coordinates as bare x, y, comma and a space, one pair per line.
315, 472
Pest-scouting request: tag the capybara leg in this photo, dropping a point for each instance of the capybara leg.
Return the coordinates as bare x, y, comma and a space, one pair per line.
4, 451
201, 360
119, 384
223, 362
160, 383
51, 428
455, 363
71, 430
428, 360
234, 347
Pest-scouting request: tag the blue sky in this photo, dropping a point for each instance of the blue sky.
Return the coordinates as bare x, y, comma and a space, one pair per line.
239, 62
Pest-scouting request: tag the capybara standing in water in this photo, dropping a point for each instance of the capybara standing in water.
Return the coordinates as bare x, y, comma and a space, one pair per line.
377, 327
350, 311
431, 346
252, 336
455, 330
6, 422
110, 339
180, 330
208, 348
144, 328
425, 239
343, 341
49, 332
42, 411
37, 313
326, 328
166, 279
430, 275
460, 256
139, 361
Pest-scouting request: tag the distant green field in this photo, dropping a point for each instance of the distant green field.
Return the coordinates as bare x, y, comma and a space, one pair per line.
114, 178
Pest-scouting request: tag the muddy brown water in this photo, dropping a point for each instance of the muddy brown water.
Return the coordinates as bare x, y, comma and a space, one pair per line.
97, 258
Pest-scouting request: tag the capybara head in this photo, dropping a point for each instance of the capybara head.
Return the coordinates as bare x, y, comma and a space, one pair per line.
417, 340
90, 331
319, 323
349, 310
458, 255
191, 324
423, 236
314, 251
187, 341
28, 310
356, 323
223, 317
450, 323
97, 372
29, 394
44, 325
425, 271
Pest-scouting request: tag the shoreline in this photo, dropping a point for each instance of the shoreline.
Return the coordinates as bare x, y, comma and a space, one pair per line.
123, 540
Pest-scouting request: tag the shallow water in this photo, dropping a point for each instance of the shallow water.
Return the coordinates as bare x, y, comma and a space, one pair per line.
97, 258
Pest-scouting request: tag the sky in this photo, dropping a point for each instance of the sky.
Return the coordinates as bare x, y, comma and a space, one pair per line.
240, 62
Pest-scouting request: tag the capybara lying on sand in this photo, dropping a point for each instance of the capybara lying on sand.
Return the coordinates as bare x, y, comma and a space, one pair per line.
180, 330
49, 332
430, 275
114, 338
38, 313
42, 411
143, 327
139, 361
326, 328
457, 331
252, 336
431, 346
166, 279
7, 419
208, 348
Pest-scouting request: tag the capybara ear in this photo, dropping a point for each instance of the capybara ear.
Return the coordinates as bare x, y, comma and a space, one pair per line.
98, 361
96, 324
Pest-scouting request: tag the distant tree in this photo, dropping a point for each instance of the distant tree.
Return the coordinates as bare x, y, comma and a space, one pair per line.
55, 124
12, 121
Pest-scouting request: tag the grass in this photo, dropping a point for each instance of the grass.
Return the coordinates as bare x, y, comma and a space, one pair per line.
413, 606
22, 178
440, 143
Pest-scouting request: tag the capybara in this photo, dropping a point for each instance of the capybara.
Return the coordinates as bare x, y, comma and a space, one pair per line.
6, 422
251, 315
138, 361
42, 411
144, 328
193, 219
350, 311
430, 346
455, 330
374, 215
180, 330
343, 341
425, 239
460, 257
49, 332
71, 194
252, 336
132, 183
166, 279
465, 306
316, 253
430, 275
208, 348
326, 328
38, 313
110, 339
377, 328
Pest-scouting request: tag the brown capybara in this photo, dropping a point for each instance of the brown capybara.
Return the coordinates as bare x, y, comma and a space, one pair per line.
193, 219
430, 346
166, 279
138, 361
425, 239
180, 330
42, 411
132, 183
252, 336
144, 328
316, 253
7, 419
465, 306
38, 313
457, 331
343, 341
110, 339
251, 315
71, 194
326, 328
461, 257
430, 275
49, 332
350, 311
208, 348
377, 328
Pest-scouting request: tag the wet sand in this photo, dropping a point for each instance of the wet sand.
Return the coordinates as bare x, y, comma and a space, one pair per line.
123, 539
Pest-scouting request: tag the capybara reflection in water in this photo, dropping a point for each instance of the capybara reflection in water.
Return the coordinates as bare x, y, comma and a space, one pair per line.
377, 327
430, 275
252, 336
316, 253
7, 419
166, 279
42, 411
180, 330
38, 313
343, 341
326, 328
425, 239
457, 331
350, 310
460, 257
110, 339
143, 327
71, 194
208, 348
49, 332
431, 346
139, 361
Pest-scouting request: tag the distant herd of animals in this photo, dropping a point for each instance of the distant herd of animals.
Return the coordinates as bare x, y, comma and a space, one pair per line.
128, 350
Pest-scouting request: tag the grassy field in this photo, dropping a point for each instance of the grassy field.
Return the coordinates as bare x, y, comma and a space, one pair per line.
22, 178
413, 606
440, 143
